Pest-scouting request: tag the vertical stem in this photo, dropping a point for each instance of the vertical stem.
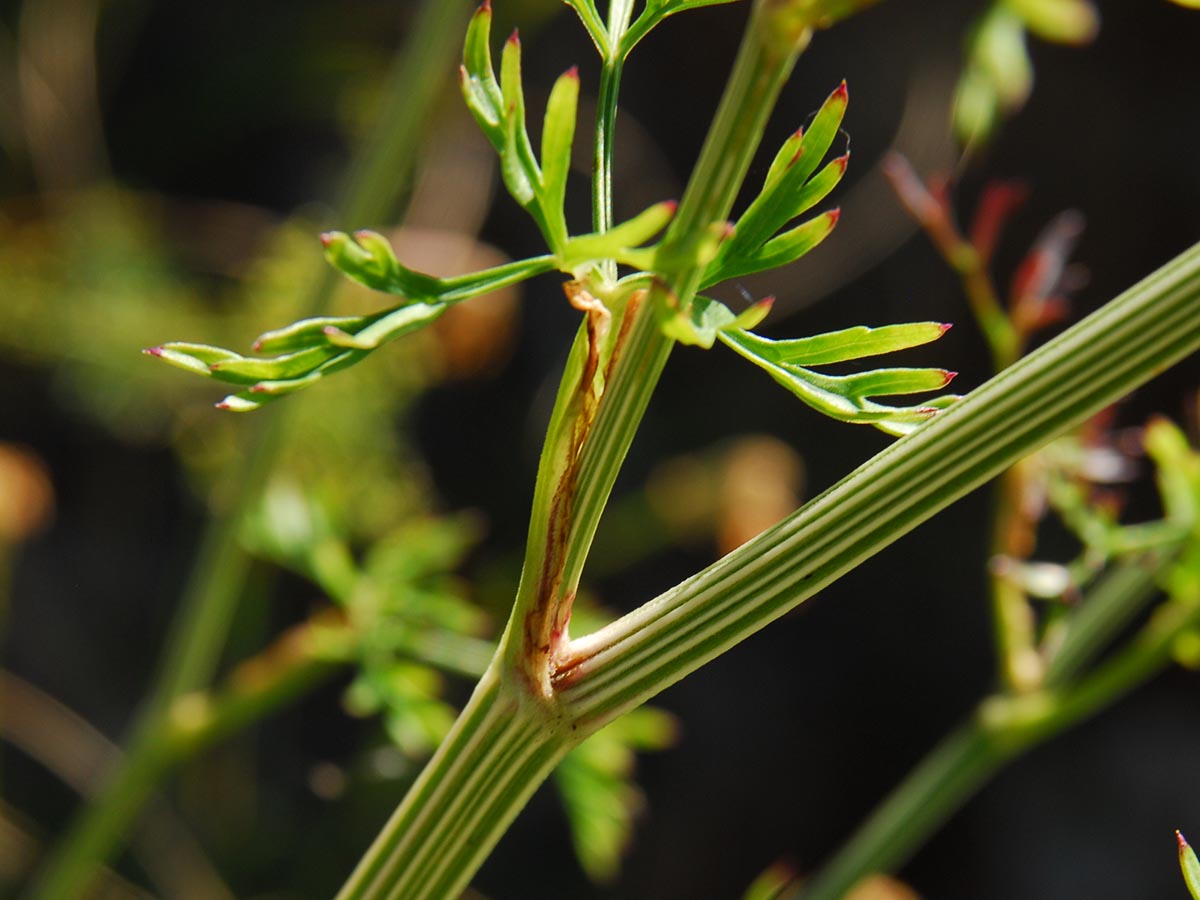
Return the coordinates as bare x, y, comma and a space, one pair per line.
514, 730
198, 633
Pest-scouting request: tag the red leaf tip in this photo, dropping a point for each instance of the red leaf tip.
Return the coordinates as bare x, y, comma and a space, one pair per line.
326, 238
1181, 840
949, 376
842, 93
153, 351
766, 302
257, 346
572, 72
515, 37
222, 405
485, 8
943, 327
671, 206
834, 215
257, 389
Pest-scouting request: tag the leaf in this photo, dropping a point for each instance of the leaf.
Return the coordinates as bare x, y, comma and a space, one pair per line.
480, 88
779, 251
368, 258
858, 342
246, 370
311, 349
789, 190
307, 333
707, 317
600, 797
558, 134
1190, 866
619, 241
850, 398
197, 358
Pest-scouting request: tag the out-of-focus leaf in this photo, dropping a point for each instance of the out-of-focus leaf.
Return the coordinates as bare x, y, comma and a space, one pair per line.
775, 883
997, 78
601, 799
1060, 21
1177, 468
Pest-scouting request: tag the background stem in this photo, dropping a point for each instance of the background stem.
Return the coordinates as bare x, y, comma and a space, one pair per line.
198, 634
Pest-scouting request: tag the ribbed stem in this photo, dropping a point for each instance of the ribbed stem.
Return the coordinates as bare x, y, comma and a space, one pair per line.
1142, 332
500, 749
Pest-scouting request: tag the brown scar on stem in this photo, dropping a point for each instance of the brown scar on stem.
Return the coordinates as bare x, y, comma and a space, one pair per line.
545, 625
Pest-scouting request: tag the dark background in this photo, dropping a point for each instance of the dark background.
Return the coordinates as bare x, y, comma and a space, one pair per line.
792, 737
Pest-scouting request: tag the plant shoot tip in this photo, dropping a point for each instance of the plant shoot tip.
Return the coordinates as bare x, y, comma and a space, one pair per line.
153, 351
515, 37
1181, 840
572, 72
943, 327
327, 238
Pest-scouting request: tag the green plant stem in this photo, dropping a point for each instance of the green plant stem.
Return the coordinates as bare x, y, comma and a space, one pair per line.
1002, 727
611, 68
1111, 605
1137, 335
775, 37
952, 772
501, 747
198, 633
512, 733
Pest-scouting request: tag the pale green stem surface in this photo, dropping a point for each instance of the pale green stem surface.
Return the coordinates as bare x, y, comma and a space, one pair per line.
198, 634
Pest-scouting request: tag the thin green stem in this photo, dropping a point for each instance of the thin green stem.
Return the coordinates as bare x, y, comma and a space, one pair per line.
1014, 626
1110, 605
611, 68
1003, 727
198, 633
1142, 332
936, 789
